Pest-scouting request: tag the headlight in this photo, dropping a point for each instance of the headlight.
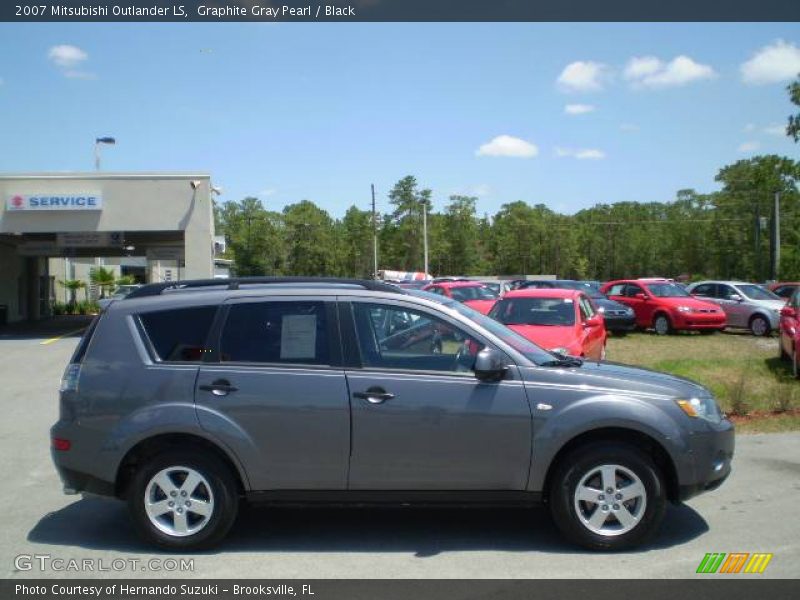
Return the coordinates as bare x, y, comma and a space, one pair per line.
701, 408
685, 309
601, 309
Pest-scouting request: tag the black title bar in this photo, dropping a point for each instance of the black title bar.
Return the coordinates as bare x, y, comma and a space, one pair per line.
398, 10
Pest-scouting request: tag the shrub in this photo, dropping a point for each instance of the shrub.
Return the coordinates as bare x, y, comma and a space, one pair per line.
737, 395
785, 395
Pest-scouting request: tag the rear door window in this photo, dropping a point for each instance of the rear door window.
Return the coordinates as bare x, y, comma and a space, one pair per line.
292, 332
706, 289
179, 335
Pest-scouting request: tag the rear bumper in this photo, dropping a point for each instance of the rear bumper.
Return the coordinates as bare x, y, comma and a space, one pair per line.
712, 455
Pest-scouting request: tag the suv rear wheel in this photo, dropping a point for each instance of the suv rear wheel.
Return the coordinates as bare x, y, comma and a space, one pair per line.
607, 496
183, 501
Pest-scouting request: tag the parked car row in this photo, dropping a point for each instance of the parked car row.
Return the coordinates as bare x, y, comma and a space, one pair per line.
575, 317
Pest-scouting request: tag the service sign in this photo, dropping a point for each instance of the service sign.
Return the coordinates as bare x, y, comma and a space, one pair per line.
31, 202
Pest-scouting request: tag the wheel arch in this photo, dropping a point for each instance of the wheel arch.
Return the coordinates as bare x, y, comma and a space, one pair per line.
152, 445
632, 437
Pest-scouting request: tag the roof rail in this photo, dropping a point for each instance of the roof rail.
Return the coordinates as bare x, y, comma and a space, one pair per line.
155, 289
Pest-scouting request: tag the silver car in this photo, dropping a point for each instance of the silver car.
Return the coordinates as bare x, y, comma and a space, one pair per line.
746, 305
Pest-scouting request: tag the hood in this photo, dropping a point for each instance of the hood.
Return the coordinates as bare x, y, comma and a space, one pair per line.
776, 305
549, 336
689, 301
482, 306
613, 377
607, 304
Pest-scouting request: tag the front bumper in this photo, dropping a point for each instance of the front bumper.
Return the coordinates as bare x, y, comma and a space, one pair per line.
696, 321
711, 453
620, 323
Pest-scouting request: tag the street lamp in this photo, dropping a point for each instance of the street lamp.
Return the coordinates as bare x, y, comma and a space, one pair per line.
101, 140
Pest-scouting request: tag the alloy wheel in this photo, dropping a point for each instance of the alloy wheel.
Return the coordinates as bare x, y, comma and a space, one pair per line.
179, 501
610, 500
662, 325
759, 326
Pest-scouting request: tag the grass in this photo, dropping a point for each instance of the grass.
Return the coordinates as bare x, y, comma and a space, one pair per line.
751, 383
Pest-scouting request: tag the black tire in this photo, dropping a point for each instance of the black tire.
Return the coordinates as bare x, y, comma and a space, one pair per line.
708, 331
795, 368
658, 326
572, 468
759, 326
225, 499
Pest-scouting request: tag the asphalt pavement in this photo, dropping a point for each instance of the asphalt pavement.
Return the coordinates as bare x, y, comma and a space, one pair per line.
48, 534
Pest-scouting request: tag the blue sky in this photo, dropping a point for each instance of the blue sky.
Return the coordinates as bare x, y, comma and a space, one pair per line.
320, 111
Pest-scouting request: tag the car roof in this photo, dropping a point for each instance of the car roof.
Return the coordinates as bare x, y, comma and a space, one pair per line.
458, 284
725, 281
543, 293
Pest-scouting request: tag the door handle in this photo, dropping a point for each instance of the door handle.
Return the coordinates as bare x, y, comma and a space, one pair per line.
220, 387
374, 395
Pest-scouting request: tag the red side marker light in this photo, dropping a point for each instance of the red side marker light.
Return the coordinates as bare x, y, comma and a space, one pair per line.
61, 444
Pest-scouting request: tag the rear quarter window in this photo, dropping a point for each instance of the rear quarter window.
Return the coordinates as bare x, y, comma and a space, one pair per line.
180, 334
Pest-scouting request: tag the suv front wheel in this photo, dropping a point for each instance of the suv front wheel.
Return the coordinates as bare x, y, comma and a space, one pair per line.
183, 501
607, 496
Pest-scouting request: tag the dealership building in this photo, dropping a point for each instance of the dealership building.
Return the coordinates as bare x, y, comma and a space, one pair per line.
57, 226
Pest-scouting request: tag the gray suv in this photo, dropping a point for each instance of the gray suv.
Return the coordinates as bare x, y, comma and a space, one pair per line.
746, 305
183, 399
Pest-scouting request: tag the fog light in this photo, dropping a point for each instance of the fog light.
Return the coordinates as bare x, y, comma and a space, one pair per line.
61, 444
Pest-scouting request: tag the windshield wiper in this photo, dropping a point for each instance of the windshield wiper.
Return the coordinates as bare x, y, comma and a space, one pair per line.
567, 361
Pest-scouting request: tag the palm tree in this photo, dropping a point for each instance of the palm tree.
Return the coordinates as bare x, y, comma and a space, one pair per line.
73, 285
102, 278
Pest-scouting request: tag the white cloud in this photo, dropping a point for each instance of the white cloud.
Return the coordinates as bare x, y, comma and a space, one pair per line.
777, 129
578, 109
67, 56
772, 64
580, 154
629, 127
583, 76
507, 145
652, 72
751, 146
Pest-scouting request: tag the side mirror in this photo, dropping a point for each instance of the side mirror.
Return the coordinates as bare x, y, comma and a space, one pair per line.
594, 321
736, 298
490, 365
788, 311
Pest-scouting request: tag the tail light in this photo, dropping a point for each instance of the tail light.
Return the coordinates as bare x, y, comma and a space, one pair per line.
69, 381
61, 444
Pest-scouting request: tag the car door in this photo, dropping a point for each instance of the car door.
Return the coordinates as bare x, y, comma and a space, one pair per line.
640, 302
420, 418
593, 335
736, 311
789, 324
274, 384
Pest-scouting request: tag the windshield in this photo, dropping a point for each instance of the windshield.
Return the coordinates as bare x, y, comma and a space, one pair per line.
525, 347
667, 290
756, 292
535, 311
475, 292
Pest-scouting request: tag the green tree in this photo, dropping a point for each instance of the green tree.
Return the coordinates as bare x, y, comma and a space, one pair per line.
310, 240
356, 236
254, 237
72, 285
103, 278
402, 232
793, 128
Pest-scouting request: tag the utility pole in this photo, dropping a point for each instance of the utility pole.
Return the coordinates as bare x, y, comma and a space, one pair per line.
425, 234
775, 238
374, 236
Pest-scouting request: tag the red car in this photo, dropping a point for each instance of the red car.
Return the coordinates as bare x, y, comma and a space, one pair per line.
784, 289
789, 332
472, 293
555, 319
665, 306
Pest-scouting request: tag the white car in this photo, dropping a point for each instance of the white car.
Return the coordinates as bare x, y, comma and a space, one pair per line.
119, 293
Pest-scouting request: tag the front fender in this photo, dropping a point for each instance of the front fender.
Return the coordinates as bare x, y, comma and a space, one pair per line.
553, 429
